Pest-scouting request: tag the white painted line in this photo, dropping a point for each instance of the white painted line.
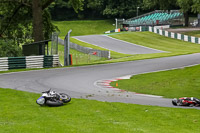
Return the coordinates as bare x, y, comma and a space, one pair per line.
133, 44
146, 95
92, 44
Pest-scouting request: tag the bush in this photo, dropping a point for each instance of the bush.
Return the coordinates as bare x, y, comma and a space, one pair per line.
9, 49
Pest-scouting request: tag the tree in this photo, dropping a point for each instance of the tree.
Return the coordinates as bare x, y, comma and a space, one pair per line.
64, 10
196, 6
37, 8
15, 21
115, 8
12, 12
9, 50
159, 4
185, 6
121, 8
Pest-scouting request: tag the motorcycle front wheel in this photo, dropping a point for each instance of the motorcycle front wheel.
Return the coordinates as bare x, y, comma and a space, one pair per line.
65, 98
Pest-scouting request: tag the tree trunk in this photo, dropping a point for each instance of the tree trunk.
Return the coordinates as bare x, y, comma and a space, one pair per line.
186, 16
37, 20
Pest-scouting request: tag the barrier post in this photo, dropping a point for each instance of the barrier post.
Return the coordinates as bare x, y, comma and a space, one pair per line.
67, 49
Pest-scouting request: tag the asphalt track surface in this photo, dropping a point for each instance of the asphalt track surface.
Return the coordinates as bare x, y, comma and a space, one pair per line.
82, 82
119, 46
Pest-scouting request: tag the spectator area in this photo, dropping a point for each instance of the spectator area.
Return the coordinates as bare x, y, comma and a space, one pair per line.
154, 18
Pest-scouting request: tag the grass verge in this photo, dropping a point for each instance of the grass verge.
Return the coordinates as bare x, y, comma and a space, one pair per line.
20, 70
170, 84
84, 27
20, 114
78, 58
114, 55
192, 33
173, 47
159, 42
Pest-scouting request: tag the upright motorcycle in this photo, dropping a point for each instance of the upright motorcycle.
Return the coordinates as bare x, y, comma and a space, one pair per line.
52, 98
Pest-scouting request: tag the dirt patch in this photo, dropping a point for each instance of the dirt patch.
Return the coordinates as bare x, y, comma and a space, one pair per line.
181, 30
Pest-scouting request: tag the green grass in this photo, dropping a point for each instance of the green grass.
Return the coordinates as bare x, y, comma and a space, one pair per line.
20, 114
192, 33
156, 41
173, 47
114, 55
19, 70
78, 58
174, 83
84, 27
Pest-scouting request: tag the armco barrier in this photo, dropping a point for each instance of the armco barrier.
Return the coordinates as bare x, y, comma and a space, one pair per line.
186, 38
7, 63
86, 50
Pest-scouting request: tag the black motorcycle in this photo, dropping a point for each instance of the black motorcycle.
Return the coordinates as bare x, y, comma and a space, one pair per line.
52, 98
186, 101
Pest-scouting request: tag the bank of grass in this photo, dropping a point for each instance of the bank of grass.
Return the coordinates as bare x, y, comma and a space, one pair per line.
97, 60
20, 114
114, 55
78, 58
174, 83
20, 70
84, 27
192, 33
152, 40
172, 47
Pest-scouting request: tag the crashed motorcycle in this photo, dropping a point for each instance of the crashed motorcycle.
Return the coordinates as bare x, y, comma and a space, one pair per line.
186, 101
52, 98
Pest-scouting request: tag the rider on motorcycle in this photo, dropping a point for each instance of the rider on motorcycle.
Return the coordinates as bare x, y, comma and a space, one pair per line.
186, 101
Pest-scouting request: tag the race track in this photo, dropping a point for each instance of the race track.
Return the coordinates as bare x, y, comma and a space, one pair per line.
116, 45
81, 82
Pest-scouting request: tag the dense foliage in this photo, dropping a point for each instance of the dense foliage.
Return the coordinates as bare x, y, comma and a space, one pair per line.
186, 6
28, 20
9, 49
97, 9
24, 21
17, 21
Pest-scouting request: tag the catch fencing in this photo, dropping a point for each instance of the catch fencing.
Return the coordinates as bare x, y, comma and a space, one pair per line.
42, 61
86, 50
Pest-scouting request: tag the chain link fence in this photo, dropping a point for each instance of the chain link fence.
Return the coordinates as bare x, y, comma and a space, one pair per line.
90, 51
86, 50
54, 43
78, 59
